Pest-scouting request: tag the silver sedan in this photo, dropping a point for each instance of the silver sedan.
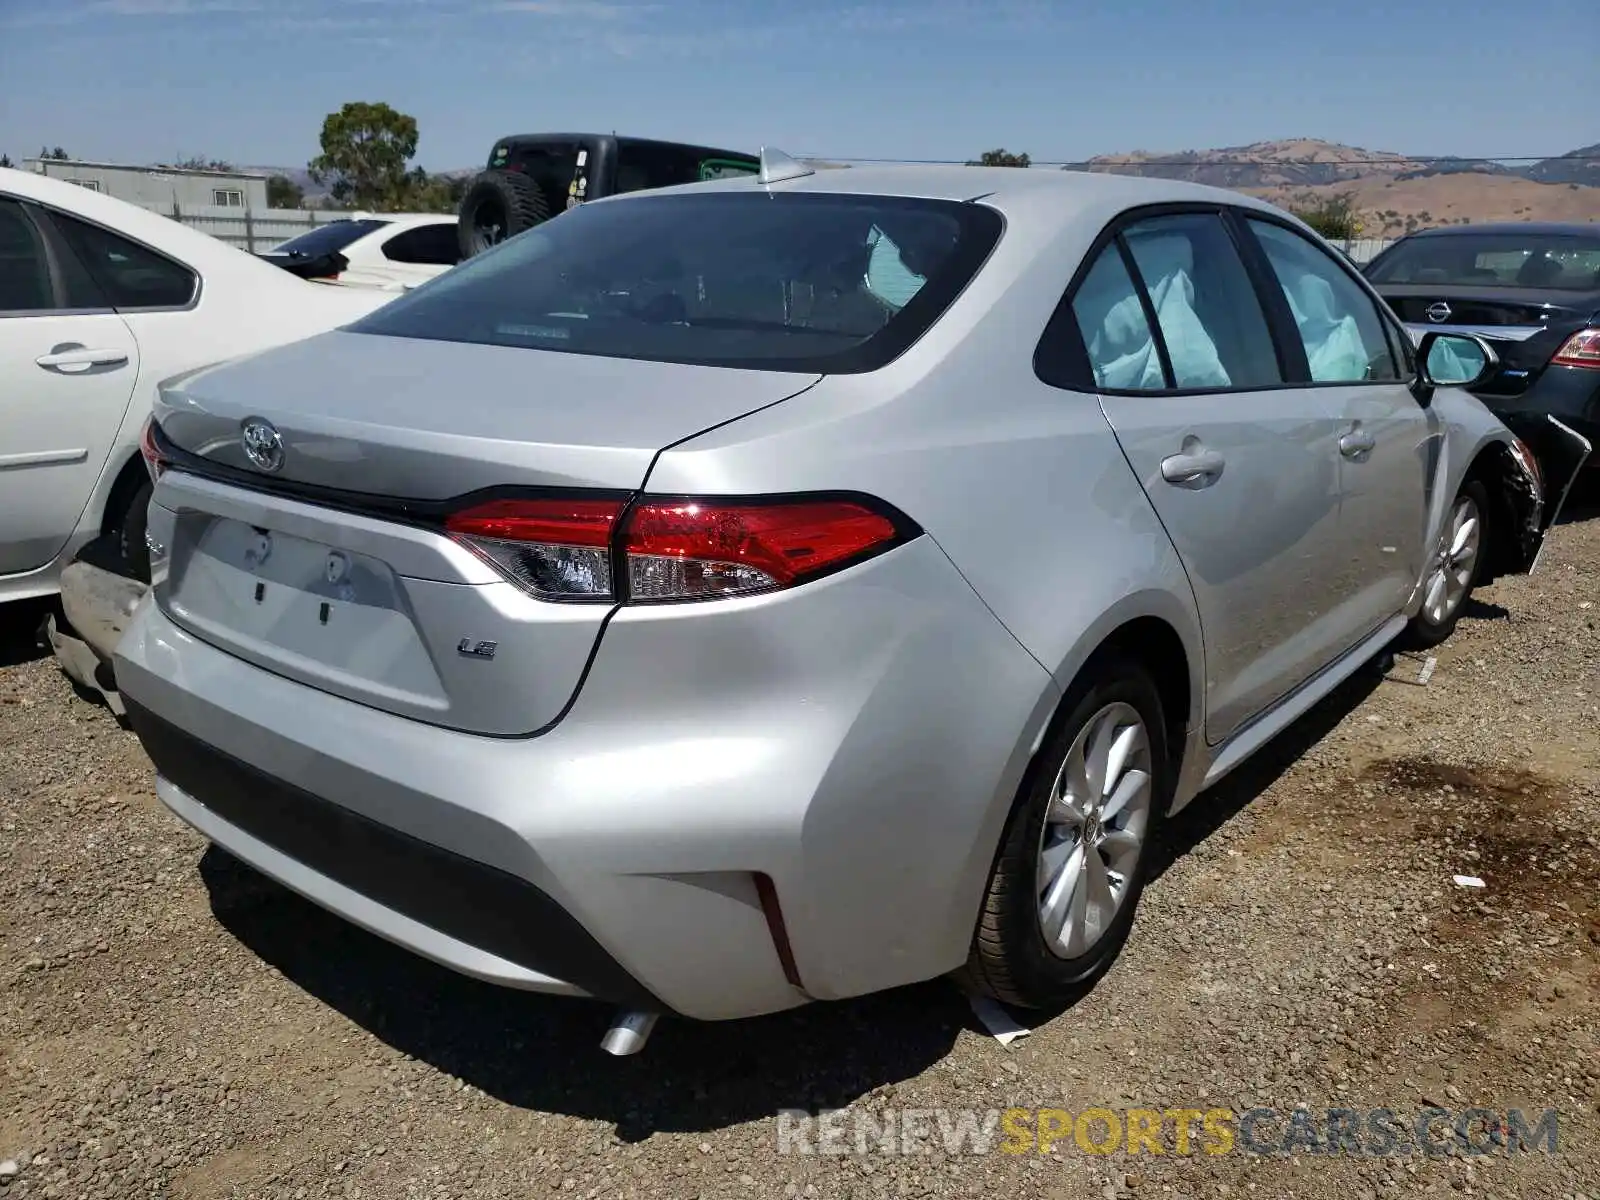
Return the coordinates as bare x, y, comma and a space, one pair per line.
780, 589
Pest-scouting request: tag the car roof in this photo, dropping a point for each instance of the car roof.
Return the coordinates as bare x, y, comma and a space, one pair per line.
396, 221
1002, 187
1531, 228
199, 250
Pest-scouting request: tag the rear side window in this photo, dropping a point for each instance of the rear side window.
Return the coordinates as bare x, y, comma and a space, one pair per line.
1211, 320
786, 282
130, 275
643, 165
1116, 333
326, 239
24, 269
1213, 331
1338, 322
428, 245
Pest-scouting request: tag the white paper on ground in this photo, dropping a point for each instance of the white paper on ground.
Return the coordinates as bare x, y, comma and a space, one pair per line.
1468, 881
1001, 1024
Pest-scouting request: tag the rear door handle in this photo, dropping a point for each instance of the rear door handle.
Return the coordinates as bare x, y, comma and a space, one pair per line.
1355, 443
1196, 469
73, 359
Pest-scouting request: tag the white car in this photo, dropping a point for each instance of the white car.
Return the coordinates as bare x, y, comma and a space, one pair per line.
389, 251
99, 302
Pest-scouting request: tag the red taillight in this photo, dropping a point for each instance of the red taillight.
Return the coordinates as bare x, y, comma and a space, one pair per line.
558, 549
700, 550
1582, 349
561, 548
155, 462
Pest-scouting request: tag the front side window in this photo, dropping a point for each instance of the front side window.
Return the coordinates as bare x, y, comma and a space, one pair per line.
739, 279
1338, 322
227, 197
130, 275
24, 269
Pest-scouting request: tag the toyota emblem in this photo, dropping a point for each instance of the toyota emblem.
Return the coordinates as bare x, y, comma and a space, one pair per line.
1438, 311
263, 444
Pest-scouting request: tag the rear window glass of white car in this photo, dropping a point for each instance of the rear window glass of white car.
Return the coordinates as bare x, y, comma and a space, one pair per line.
130, 275
1492, 260
429, 245
782, 282
325, 239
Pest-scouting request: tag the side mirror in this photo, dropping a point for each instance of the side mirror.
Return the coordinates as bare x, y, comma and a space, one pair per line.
1461, 360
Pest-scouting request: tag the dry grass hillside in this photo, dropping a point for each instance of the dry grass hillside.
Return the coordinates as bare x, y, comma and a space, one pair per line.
1393, 193
1390, 207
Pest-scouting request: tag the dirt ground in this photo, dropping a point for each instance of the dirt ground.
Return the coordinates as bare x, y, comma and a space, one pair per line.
173, 1025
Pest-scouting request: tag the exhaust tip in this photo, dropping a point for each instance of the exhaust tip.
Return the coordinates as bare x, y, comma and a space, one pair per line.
628, 1033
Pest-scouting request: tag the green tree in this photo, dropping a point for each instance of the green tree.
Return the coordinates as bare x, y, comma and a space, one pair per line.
199, 162
58, 153
365, 148
1000, 158
5, 160
283, 192
1334, 217
434, 193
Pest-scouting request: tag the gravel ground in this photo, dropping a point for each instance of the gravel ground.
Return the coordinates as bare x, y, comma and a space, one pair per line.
173, 1025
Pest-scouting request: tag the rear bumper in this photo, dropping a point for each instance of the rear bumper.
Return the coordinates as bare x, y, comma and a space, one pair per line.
1570, 394
858, 742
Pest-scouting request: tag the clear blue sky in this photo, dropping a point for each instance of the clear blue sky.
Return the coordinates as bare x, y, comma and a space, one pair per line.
250, 80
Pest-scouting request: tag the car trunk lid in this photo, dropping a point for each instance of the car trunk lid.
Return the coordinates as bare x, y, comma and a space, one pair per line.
1525, 327
336, 569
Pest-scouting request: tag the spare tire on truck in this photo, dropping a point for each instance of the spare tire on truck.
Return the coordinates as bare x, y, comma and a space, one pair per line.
498, 205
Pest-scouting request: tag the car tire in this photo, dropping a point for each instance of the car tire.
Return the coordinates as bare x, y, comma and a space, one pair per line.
1453, 571
128, 534
498, 205
1019, 954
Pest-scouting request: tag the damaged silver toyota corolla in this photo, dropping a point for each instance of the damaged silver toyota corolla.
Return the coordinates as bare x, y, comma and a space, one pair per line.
781, 589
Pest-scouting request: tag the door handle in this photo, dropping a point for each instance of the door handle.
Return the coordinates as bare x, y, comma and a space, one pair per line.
1194, 469
72, 359
1356, 443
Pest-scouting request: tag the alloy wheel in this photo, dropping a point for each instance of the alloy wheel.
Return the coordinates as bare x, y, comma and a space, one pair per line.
1094, 830
1455, 563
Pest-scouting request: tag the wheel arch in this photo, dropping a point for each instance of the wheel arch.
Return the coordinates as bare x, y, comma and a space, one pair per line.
1514, 510
130, 475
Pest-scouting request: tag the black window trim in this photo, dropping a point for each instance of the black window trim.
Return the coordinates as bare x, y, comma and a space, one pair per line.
1061, 359
45, 219
54, 274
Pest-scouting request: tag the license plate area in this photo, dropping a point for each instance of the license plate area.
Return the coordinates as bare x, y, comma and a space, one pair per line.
313, 610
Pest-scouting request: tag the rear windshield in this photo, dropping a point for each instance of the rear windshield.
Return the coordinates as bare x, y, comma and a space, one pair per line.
1494, 260
325, 239
784, 282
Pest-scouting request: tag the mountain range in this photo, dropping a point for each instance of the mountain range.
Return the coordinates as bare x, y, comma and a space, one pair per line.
1394, 192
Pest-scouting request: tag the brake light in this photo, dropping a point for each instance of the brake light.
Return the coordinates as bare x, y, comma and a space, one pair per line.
562, 548
699, 550
558, 549
1582, 349
154, 461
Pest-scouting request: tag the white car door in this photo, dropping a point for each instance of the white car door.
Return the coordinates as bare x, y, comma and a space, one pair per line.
1388, 443
1238, 461
67, 369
